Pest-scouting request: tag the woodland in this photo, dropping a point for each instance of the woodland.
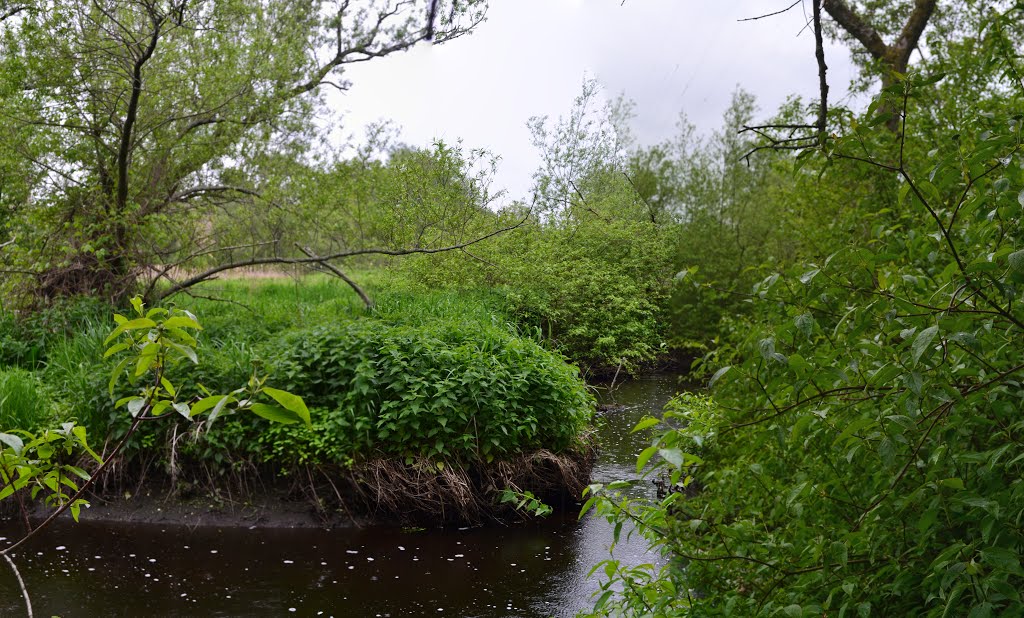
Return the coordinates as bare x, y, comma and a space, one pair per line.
842, 287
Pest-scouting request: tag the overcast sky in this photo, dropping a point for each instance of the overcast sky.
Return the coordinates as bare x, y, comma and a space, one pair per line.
531, 56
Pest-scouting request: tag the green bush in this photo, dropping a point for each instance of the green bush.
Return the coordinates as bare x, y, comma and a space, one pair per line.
865, 454
447, 390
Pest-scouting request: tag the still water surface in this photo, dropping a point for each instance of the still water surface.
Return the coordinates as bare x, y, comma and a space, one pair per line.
535, 570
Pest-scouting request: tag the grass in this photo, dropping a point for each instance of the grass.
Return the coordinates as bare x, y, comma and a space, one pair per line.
24, 404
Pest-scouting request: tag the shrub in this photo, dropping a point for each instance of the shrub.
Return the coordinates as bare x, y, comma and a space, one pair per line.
447, 390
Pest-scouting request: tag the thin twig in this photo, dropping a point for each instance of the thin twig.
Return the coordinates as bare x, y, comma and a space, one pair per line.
21, 584
771, 14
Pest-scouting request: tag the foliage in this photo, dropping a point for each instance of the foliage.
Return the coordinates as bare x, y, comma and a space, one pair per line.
591, 268
446, 390
26, 340
24, 402
38, 462
151, 343
176, 109
865, 454
525, 502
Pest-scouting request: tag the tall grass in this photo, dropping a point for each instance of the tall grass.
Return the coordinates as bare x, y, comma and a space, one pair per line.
24, 403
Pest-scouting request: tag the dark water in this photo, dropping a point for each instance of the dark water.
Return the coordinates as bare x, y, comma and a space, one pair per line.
94, 569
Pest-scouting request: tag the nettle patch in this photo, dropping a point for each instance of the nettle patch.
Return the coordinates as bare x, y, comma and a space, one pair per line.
448, 391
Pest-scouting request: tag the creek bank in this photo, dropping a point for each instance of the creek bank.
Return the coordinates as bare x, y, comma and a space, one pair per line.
380, 491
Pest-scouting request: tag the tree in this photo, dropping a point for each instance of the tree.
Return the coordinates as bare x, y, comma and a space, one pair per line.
862, 453
134, 118
857, 23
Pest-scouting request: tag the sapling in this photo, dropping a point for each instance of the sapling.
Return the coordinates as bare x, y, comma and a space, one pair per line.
149, 343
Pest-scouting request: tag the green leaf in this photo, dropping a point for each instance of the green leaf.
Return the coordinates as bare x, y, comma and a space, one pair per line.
1003, 559
644, 457
116, 374
135, 406
1016, 260
804, 323
923, 341
674, 456
290, 402
135, 324
185, 351
168, 386
182, 409
115, 349
718, 374
218, 408
207, 403
793, 611
645, 423
275, 413
79, 432
952, 483
181, 321
13, 441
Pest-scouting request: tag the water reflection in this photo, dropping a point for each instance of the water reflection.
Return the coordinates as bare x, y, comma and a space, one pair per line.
93, 569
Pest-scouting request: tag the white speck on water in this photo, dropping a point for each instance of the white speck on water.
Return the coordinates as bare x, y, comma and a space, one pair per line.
350, 567
148, 575
289, 562
291, 609
323, 564
460, 555
351, 551
369, 559
61, 548
213, 551
152, 559
131, 555
184, 594
400, 548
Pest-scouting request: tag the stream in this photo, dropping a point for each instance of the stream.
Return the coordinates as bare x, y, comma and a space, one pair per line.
532, 570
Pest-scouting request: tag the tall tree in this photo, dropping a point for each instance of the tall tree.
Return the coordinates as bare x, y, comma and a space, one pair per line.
134, 117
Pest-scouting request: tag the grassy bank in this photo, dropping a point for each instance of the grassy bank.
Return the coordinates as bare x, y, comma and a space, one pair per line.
434, 399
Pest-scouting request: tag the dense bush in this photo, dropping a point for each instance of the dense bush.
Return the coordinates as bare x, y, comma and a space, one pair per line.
448, 390
866, 455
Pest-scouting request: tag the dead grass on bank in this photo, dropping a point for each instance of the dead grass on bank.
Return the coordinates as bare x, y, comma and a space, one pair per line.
421, 492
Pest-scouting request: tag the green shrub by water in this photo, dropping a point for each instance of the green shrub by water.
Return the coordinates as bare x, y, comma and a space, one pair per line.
446, 390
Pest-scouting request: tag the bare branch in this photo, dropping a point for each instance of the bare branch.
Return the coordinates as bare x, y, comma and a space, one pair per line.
186, 194
260, 261
771, 14
820, 135
334, 269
